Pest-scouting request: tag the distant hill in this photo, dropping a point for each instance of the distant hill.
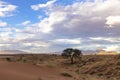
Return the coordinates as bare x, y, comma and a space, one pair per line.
103, 52
89, 52
11, 52
84, 52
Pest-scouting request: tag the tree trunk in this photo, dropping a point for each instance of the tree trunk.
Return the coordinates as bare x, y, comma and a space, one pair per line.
72, 60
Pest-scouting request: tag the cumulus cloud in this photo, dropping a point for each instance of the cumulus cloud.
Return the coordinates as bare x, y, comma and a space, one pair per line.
78, 25
112, 48
47, 24
37, 44
26, 22
4, 45
6, 9
90, 46
38, 6
109, 39
67, 41
79, 18
3, 24
113, 21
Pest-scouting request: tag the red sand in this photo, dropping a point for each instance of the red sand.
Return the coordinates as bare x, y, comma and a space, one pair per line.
23, 71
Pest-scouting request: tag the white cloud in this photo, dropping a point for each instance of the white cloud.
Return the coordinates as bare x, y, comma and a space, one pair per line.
25, 23
38, 6
4, 45
6, 9
3, 24
67, 41
37, 44
46, 25
92, 46
68, 24
113, 21
5, 34
109, 39
74, 17
40, 17
112, 48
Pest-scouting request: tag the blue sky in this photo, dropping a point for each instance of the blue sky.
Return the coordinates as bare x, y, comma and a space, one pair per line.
53, 25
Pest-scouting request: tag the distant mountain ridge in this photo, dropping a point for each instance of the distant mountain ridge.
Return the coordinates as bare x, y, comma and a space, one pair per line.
89, 52
11, 52
103, 52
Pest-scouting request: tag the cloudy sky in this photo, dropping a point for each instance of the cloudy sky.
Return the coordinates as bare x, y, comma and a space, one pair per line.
53, 25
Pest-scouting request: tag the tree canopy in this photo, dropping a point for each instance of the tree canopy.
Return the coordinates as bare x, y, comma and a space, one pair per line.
72, 53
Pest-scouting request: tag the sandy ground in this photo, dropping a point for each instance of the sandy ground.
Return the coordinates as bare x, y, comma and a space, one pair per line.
23, 71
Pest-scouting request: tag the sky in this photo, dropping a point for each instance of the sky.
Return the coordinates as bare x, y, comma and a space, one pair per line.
42, 26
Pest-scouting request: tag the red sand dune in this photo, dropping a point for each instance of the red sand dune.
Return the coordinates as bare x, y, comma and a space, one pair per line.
22, 71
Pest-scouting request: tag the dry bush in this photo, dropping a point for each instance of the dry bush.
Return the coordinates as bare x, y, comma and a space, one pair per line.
66, 74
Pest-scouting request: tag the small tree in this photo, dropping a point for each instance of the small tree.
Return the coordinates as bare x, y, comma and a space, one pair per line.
72, 53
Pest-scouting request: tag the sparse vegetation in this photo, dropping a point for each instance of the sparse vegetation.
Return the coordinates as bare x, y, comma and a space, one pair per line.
66, 74
50, 64
8, 59
105, 66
